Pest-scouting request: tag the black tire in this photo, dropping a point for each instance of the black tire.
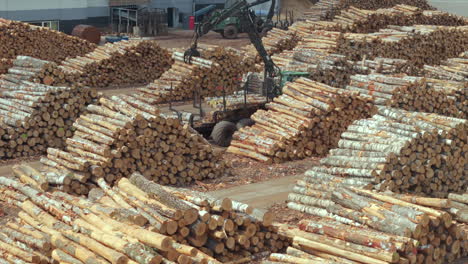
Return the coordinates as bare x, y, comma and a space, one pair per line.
222, 133
230, 32
244, 122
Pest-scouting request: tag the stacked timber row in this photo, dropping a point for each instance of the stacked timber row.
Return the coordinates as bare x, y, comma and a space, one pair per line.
455, 69
124, 134
361, 226
5, 64
400, 151
410, 93
330, 69
122, 63
25, 68
234, 65
305, 121
136, 221
276, 41
200, 77
329, 9
458, 207
355, 20
17, 38
419, 44
235, 101
35, 116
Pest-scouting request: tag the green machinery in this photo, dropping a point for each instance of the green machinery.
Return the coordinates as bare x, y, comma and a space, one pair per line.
231, 26
290, 76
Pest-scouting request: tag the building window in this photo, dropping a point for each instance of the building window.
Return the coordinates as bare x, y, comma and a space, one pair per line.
49, 24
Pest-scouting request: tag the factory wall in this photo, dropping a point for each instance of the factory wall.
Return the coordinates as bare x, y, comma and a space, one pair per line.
69, 13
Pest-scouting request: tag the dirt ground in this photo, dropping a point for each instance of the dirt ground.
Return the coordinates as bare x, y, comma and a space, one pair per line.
245, 171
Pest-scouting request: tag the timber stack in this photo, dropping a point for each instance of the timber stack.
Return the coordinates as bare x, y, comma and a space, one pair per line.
234, 64
330, 69
400, 151
305, 121
276, 41
362, 226
125, 134
455, 69
458, 207
419, 44
411, 93
355, 20
5, 64
329, 9
136, 221
201, 77
35, 116
25, 68
122, 63
18, 38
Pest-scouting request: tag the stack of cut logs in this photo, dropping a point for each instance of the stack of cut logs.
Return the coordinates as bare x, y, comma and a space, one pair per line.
200, 77
122, 63
356, 20
5, 64
276, 41
400, 151
124, 134
455, 69
376, 4
419, 44
458, 207
361, 226
330, 69
25, 68
17, 38
136, 221
34, 116
234, 64
410, 93
305, 121
328, 9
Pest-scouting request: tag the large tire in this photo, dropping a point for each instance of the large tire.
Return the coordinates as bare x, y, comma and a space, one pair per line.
222, 133
244, 122
230, 32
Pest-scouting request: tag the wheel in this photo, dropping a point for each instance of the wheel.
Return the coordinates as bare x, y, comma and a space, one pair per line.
230, 32
245, 122
222, 133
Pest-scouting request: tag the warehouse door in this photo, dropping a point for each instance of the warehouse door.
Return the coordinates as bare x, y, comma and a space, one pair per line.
170, 16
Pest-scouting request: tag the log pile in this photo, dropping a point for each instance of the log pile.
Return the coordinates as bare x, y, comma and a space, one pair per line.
400, 151
330, 69
305, 121
25, 68
455, 69
136, 221
361, 226
201, 77
410, 93
329, 9
458, 207
122, 63
419, 44
124, 134
35, 116
235, 101
18, 38
5, 64
276, 41
355, 20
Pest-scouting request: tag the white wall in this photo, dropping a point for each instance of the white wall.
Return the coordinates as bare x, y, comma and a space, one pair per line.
14, 5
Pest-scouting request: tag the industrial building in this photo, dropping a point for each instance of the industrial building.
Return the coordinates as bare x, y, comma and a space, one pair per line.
63, 15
